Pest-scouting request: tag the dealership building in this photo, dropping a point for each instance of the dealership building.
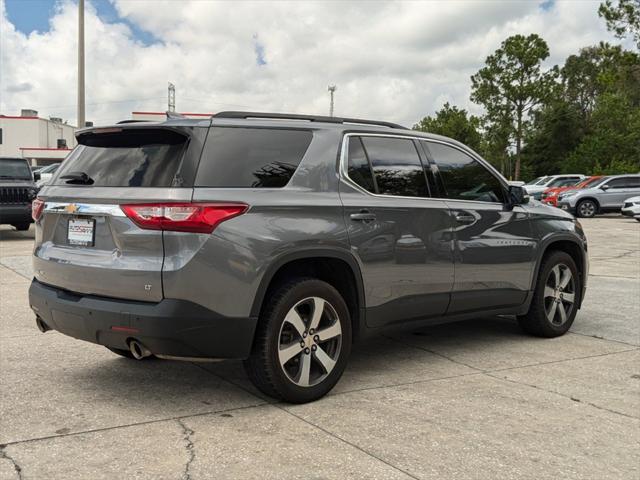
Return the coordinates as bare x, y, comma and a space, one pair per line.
42, 141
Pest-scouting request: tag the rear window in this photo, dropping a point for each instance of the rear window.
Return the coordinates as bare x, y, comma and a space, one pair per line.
14, 168
251, 157
127, 158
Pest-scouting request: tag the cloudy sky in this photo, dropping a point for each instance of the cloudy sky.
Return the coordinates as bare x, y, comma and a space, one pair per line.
390, 60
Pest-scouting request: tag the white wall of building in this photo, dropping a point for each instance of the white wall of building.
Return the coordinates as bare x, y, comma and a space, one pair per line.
35, 138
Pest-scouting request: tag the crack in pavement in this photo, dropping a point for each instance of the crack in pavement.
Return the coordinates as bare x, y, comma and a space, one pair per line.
16, 467
187, 433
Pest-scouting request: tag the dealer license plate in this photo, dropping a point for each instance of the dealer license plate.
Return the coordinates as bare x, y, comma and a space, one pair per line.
81, 231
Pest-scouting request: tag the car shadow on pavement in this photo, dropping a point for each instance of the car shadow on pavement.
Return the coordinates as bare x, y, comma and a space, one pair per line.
8, 234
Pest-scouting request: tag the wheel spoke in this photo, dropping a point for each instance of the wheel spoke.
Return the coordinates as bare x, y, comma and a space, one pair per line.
563, 312
305, 371
566, 278
551, 314
318, 309
287, 353
330, 332
568, 297
294, 318
325, 360
556, 275
549, 292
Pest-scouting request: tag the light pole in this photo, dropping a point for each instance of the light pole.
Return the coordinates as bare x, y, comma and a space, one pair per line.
81, 110
332, 90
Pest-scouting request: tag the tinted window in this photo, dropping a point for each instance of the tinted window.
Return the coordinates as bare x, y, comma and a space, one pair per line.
358, 165
624, 182
464, 178
129, 158
15, 168
251, 157
563, 182
396, 166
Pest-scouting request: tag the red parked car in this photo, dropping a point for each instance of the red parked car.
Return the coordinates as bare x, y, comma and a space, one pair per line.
550, 195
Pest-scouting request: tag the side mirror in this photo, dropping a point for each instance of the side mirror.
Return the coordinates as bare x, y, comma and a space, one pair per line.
518, 195
604, 187
36, 176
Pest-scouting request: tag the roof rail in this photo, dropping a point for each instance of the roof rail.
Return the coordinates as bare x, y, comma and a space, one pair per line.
310, 118
133, 121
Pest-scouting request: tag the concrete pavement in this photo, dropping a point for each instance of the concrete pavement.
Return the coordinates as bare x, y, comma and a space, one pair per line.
472, 400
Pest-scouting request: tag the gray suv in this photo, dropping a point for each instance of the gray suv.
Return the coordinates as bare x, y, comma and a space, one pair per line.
282, 239
607, 196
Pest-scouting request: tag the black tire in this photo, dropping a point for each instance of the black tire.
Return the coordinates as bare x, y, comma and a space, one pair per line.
263, 367
127, 353
586, 208
22, 227
537, 321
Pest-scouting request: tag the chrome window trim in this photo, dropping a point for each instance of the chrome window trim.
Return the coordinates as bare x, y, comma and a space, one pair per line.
344, 176
74, 208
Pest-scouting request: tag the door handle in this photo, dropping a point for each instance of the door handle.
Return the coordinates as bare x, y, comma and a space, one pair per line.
465, 218
363, 216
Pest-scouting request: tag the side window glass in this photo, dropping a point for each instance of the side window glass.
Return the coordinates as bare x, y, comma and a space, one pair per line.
358, 167
464, 178
396, 166
617, 183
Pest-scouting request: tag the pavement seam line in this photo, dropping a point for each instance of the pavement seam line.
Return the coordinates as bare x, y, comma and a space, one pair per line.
603, 338
190, 447
6, 456
333, 435
569, 397
280, 407
147, 422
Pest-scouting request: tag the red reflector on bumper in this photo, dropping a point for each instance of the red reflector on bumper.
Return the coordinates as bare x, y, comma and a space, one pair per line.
116, 328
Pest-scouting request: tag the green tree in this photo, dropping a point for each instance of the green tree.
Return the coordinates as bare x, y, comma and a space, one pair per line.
455, 123
558, 129
623, 18
613, 144
596, 70
513, 84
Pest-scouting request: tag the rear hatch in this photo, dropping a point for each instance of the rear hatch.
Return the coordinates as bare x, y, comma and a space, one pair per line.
85, 242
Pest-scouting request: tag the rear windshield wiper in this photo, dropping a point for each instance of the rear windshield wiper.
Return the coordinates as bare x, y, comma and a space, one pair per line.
78, 178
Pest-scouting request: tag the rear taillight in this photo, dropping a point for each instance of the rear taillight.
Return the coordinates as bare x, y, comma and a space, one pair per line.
37, 206
182, 217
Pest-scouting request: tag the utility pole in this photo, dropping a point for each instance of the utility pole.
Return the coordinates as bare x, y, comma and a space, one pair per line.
332, 90
81, 109
171, 99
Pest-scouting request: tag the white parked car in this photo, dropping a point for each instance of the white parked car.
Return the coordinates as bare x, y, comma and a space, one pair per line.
631, 208
46, 173
535, 187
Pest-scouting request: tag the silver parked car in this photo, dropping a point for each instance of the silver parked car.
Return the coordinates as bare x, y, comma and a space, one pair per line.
607, 196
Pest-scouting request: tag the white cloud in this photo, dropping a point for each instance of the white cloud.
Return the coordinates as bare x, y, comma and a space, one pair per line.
392, 61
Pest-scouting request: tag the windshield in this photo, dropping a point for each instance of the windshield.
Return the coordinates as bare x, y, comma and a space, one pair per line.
17, 168
595, 182
535, 181
563, 182
49, 168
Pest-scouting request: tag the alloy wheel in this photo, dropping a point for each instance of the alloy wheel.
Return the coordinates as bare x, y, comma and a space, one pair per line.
309, 341
587, 209
559, 294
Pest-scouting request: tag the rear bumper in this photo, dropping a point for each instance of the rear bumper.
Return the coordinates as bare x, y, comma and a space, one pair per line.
170, 327
20, 213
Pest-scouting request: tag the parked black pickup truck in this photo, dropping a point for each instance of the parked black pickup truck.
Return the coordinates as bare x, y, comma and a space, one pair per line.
17, 191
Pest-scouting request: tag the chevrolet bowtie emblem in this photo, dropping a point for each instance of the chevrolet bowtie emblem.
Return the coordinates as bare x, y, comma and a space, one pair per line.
71, 208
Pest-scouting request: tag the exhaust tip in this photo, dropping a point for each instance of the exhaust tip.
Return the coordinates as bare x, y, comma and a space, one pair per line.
43, 327
138, 350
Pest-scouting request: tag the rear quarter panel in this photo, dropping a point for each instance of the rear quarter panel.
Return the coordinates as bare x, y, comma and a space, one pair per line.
223, 271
